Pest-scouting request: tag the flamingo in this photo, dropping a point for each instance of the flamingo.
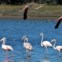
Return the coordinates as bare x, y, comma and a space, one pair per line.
25, 10
45, 43
6, 47
58, 47
26, 44
59, 21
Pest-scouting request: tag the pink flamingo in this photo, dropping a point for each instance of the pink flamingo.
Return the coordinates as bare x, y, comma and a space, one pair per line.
6, 47
59, 21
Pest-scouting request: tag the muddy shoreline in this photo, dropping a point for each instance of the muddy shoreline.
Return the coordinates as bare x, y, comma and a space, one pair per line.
20, 17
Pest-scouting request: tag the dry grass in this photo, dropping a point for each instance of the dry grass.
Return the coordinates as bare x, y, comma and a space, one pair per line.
37, 10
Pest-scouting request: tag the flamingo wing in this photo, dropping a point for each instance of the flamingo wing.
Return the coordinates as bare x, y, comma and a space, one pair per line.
28, 46
7, 47
47, 43
59, 48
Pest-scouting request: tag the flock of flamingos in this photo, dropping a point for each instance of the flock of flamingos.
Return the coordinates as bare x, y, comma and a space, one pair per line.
27, 45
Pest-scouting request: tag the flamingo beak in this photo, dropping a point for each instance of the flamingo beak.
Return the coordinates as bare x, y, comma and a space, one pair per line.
52, 42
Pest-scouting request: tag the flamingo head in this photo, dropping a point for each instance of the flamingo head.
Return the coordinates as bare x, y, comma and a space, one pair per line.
41, 34
53, 40
25, 38
3, 39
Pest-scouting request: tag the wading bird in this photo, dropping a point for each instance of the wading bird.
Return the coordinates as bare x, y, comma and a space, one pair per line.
58, 47
6, 47
25, 10
58, 22
26, 44
45, 43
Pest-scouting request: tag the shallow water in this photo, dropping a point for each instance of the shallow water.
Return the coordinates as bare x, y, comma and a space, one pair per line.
14, 29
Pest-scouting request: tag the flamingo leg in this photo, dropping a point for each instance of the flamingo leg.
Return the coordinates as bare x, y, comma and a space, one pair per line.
28, 53
59, 54
7, 60
28, 59
46, 50
12, 56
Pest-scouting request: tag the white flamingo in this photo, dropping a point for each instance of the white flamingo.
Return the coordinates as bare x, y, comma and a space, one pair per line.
45, 43
58, 47
26, 44
6, 47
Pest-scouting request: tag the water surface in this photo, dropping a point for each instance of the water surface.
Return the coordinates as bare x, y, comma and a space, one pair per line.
14, 29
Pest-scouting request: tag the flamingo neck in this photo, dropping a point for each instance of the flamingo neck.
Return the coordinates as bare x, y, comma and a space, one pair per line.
3, 43
42, 40
54, 44
25, 41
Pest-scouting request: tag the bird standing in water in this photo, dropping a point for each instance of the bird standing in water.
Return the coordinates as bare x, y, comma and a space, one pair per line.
26, 44
45, 43
58, 47
6, 47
